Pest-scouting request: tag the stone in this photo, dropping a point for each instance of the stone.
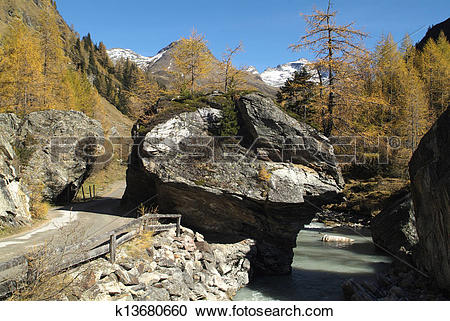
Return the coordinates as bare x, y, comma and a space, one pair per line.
394, 228
127, 278
150, 278
224, 268
111, 288
14, 202
157, 294
96, 293
59, 160
429, 171
229, 196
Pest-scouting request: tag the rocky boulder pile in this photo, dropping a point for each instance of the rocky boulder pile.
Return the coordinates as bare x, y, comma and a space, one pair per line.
48, 152
265, 186
429, 171
172, 269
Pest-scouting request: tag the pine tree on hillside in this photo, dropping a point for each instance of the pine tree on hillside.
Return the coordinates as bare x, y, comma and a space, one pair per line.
298, 95
55, 62
434, 65
333, 45
233, 77
20, 70
143, 94
192, 59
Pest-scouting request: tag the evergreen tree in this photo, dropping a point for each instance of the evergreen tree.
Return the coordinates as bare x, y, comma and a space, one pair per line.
434, 65
192, 59
55, 62
299, 95
333, 45
20, 70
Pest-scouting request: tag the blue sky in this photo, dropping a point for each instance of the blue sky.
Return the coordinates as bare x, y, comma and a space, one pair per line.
265, 27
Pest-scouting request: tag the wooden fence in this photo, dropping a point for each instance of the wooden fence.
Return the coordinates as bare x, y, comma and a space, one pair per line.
15, 271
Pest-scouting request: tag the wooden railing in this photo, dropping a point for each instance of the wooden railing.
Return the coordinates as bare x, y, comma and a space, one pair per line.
14, 271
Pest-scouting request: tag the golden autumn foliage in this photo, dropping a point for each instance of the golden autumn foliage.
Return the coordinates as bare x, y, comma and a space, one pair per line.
390, 92
192, 60
20, 70
36, 74
333, 45
144, 93
233, 78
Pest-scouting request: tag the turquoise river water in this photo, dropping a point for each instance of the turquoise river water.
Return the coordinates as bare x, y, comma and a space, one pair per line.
319, 268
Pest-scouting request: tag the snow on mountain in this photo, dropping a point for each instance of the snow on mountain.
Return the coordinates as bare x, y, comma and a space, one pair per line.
277, 76
252, 70
143, 62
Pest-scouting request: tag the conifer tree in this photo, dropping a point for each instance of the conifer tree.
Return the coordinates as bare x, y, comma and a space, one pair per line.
333, 45
20, 70
144, 93
231, 75
298, 95
192, 59
54, 94
435, 71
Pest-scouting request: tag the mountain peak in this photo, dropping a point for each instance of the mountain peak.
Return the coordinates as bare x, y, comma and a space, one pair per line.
277, 76
117, 54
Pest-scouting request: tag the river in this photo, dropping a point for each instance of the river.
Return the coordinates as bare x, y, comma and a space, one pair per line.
319, 268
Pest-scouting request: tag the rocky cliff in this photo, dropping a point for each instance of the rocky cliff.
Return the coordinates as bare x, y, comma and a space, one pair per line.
395, 227
14, 202
45, 153
264, 187
430, 186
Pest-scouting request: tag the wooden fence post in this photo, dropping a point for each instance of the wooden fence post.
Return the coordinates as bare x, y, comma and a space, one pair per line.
93, 186
112, 248
178, 225
82, 191
90, 193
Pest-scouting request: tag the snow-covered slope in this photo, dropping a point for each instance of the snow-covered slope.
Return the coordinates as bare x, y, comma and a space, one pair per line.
143, 62
252, 70
277, 76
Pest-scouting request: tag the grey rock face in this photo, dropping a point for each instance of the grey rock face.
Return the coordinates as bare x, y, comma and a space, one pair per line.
429, 171
395, 227
234, 190
44, 150
60, 159
14, 202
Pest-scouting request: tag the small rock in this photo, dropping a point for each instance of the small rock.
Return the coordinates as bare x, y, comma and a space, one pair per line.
112, 288
126, 277
157, 294
149, 278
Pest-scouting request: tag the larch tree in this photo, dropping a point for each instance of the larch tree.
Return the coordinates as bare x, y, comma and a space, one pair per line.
143, 94
20, 70
54, 60
333, 44
192, 59
231, 75
434, 64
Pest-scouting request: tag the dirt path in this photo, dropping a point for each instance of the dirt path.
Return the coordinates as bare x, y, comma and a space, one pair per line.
81, 221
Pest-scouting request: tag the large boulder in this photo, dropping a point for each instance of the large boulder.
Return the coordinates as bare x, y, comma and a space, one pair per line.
49, 152
394, 228
429, 170
14, 202
232, 189
62, 148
